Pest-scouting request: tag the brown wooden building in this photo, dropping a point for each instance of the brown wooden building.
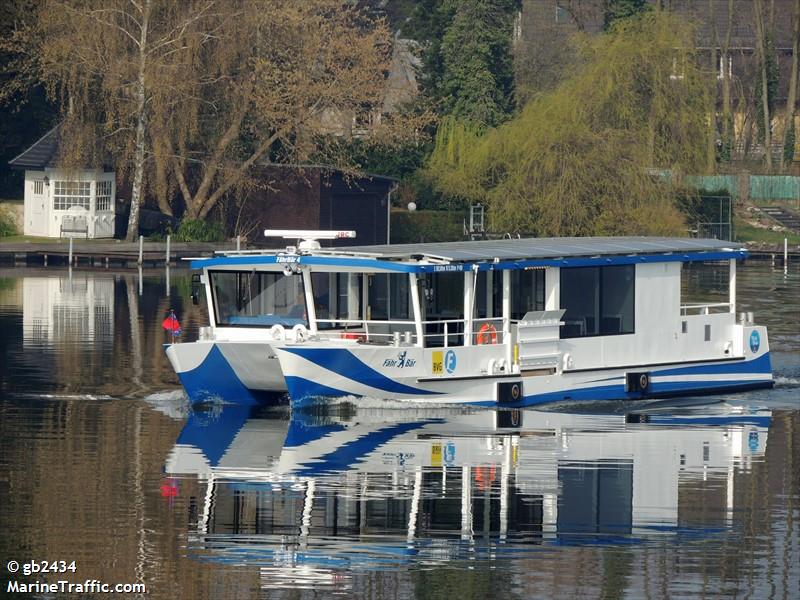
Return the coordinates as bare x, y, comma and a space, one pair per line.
318, 197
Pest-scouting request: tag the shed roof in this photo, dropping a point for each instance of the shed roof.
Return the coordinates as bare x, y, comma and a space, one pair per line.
42, 154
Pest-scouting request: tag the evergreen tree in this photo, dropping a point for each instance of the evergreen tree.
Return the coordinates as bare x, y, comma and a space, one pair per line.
467, 63
616, 10
478, 69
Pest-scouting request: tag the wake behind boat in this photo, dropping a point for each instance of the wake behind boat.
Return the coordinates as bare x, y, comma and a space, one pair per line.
500, 322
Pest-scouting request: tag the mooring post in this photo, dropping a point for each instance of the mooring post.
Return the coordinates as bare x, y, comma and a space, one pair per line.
167, 286
238, 243
785, 254
168, 240
141, 244
70, 251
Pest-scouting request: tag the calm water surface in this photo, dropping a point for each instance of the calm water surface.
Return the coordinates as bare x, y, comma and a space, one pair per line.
102, 462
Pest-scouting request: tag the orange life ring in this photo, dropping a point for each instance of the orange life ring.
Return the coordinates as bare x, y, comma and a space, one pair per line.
487, 334
485, 476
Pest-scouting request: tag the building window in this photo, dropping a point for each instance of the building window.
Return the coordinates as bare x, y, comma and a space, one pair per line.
38, 187
67, 194
598, 300
103, 200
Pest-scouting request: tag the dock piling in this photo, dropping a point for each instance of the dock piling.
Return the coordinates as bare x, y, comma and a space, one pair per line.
785, 255
238, 243
70, 251
141, 248
168, 243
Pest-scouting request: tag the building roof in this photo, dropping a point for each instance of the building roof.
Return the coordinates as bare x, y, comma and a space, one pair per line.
542, 248
42, 154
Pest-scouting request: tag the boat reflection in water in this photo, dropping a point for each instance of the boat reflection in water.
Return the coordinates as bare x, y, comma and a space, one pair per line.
313, 499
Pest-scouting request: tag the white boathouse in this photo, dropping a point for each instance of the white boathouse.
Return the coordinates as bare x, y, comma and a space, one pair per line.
64, 203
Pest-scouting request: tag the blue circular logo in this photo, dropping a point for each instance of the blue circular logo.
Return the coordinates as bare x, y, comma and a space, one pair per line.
755, 341
450, 361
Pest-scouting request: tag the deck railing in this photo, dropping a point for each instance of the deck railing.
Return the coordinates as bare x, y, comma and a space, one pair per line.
439, 332
705, 308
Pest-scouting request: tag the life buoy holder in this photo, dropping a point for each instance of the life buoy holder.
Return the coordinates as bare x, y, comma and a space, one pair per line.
487, 334
300, 333
278, 333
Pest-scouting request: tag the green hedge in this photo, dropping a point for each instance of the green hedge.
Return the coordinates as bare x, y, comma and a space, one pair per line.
8, 225
191, 230
426, 226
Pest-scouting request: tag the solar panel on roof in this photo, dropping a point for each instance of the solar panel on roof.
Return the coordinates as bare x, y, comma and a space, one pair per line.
543, 248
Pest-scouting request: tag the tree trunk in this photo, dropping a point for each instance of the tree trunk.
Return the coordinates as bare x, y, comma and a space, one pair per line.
141, 118
791, 101
711, 150
728, 128
761, 41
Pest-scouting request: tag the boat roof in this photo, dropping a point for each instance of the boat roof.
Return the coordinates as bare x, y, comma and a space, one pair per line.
531, 248
494, 254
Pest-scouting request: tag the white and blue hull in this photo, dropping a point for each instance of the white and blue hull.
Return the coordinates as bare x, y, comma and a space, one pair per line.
241, 372
315, 373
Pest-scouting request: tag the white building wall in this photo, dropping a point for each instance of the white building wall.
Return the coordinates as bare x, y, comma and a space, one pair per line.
42, 218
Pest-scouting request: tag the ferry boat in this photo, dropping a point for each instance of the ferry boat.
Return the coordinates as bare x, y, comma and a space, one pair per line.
511, 322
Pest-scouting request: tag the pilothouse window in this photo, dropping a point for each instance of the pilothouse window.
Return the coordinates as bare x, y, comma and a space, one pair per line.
258, 299
598, 300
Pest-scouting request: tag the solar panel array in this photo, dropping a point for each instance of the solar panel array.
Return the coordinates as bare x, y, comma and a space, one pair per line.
512, 249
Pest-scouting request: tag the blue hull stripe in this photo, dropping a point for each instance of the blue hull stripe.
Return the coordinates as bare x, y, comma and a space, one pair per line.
212, 432
214, 378
343, 363
353, 452
762, 364
301, 432
303, 391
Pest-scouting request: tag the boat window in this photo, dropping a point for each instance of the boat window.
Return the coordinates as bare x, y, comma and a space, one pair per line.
389, 296
253, 299
489, 295
598, 300
527, 292
337, 296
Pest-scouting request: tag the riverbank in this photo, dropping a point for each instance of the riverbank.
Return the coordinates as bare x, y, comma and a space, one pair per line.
104, 252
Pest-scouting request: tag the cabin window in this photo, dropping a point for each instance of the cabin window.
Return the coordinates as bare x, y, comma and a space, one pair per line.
252, 299
598, 300
38, 187
489, 295
389, 296
527, 292
337, 296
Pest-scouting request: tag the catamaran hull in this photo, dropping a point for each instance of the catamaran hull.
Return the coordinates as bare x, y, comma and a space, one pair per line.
321, 373
246, 373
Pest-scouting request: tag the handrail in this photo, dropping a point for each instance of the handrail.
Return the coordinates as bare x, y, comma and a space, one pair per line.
447, 327
703, 308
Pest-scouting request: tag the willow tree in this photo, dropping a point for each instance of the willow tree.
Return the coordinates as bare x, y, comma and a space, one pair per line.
586, 157
110, 63
188, 97
265, 89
